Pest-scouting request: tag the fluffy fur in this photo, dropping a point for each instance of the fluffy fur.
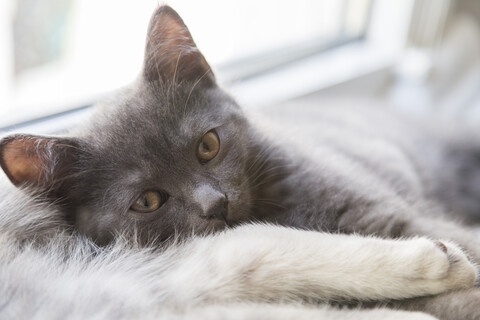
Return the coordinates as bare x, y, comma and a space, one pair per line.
364, 171
48, 272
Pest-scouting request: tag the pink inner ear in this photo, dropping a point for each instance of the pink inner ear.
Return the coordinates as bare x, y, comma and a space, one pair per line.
171, 53
22, 162
169, 40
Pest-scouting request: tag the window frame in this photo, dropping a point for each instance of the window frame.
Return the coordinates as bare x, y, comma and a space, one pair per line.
313, 67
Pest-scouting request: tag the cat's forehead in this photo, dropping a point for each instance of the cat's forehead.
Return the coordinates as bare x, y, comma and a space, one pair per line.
184, 108
176, 103
162, 116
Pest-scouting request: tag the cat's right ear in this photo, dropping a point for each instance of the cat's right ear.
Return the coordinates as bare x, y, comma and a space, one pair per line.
42, 164
171, 53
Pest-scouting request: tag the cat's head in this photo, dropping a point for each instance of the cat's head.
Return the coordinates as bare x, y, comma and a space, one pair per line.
169, 154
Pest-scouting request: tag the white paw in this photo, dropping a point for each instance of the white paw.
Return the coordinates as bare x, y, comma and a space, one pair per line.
462, 273
441, 266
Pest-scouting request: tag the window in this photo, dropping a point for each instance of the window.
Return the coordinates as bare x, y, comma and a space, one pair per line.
64, 54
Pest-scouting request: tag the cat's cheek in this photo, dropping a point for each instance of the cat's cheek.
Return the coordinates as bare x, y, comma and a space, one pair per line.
239, 208
98, 226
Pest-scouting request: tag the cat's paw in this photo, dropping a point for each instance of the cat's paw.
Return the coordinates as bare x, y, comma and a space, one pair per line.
441, 266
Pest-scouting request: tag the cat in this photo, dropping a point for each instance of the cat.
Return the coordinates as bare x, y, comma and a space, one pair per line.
248, 272
174, 154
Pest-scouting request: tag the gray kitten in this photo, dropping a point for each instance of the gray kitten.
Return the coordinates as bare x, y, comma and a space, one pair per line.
259, 271
174, 155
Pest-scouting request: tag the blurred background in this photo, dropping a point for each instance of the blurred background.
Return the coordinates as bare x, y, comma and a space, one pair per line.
60, 56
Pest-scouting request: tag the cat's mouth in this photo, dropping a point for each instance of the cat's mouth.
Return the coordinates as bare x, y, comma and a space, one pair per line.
228, 208
227, 213
223, 215
236, 209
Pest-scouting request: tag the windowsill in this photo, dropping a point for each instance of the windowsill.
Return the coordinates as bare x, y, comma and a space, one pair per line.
312, 74
386, 38
308, 75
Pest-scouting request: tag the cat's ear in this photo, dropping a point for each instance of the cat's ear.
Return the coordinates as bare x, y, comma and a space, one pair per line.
43, 164
171, 53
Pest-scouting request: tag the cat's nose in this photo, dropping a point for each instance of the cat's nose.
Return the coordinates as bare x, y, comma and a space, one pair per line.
218, 211
213, 203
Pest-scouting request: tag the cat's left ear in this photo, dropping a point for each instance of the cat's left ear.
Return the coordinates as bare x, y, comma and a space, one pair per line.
171, 53
43, 164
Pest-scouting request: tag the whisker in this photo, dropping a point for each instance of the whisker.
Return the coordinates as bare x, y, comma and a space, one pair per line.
259, 156
191, 91
175, 78
269, 202
273, 169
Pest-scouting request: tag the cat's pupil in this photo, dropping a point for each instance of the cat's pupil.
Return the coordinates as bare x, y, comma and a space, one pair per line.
205, 147
149, 201
144, 201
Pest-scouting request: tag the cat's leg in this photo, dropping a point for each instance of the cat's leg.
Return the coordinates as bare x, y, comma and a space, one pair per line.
397, 219
264, 263
463, 304
442, 229
256, 311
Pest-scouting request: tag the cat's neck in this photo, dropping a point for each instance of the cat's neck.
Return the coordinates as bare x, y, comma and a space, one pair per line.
287, 190
268, 169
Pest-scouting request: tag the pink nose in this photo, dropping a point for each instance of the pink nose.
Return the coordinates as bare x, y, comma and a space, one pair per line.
213, 203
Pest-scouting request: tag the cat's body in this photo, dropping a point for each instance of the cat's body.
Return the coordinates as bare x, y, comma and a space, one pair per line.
174, 154
373, 164
253, 271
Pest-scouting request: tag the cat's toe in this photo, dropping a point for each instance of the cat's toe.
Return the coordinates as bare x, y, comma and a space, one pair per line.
432, 258
446, 262
441, 245
462, 273
435, 267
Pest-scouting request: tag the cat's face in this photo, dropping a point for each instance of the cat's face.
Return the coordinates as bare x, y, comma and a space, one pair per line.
165, 164
168, 155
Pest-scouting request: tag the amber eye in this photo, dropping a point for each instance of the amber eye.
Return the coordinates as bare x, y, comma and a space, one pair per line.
208, 146
149, 201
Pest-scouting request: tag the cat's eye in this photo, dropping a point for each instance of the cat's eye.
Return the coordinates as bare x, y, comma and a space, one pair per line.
208, 146
149, 201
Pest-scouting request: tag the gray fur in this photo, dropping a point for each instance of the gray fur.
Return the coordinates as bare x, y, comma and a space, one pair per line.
49, 272
363, 171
